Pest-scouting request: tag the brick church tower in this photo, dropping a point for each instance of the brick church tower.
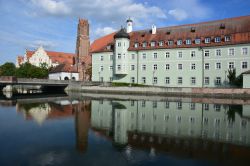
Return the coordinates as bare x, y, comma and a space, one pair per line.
82, 48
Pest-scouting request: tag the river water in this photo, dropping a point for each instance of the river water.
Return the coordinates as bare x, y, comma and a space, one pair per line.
124, 131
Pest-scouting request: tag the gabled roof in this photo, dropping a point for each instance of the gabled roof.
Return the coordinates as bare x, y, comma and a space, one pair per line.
64, 68
238, 28
56, 57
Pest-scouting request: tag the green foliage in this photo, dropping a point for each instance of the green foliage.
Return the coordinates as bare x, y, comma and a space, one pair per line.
89, 71
8, 69
233, 80
233, 109
27, 70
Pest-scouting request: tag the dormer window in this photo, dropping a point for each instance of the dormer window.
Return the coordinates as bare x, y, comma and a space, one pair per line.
168, 32
144, 44
188, 42
192, 29
170, 42
108, 47
179, 42
152, 44
136, 45
197, 41
222, 26
217, 39
161, 43
207, 40
227, 38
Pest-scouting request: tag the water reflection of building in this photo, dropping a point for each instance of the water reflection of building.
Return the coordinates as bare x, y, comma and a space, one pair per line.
40, 112
211, 122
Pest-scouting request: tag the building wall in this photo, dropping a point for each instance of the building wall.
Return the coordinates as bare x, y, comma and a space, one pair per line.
136, 58
63, 75
39, 57
246, 80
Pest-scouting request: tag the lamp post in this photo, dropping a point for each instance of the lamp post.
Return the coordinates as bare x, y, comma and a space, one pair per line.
202, 68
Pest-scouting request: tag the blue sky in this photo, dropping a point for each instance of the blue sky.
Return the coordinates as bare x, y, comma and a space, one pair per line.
27, 24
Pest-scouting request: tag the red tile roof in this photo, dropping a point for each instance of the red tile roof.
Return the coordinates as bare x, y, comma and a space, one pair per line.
56, 57
64, 68
238, 28
20, 59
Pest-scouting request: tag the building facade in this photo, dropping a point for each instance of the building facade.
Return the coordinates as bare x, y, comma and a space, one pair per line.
41, 56
194, 55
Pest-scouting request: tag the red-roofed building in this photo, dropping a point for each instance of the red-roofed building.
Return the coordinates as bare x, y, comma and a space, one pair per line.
192, 55
51, 58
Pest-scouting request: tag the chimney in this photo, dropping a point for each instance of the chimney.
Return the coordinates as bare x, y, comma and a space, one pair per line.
153, 29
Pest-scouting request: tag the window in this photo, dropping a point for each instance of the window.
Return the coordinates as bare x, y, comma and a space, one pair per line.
207, 65
136, 45
143, 67
244, 65
119, 67
110, 79
218, 65
119, 44
167, 66
170, 42
218, 81
101, 58
143, 79
231, 65
155, 67
206, 107
179, 42
132, 67
179, 66
193, 66
179, 80
197, 41
206, 80
231, 51
227, 38
110, 67
144, 56
217, 39
167, 80
179, 54
133, 56
155, 80
111, 57
167, 105
206, 53
132, 79
154, 104
179, 105
152, 44
244, 51
119, 56
101, 68
207, 40
155, 55
192, 54
218, 52
192, 106
144, 44
188, 42
193, 80
161, 43
167, 54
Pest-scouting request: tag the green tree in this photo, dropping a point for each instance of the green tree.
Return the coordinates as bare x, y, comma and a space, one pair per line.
8, 69
89, 71
27, 70
233, 80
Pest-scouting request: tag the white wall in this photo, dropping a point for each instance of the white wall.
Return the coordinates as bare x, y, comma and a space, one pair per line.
63, 75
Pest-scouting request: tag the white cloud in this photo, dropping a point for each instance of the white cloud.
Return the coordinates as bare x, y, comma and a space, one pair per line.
45, 43
104, 31
53, 7
178, 14
188, 9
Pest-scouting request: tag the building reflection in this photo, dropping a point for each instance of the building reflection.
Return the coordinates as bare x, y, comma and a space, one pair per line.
184, 128
80, 110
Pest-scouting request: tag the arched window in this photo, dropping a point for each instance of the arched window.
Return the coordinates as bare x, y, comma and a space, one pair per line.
66, 78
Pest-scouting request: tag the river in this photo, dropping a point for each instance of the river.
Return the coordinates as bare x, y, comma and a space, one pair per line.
129, 130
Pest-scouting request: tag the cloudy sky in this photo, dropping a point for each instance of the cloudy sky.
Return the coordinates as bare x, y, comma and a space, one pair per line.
26, 24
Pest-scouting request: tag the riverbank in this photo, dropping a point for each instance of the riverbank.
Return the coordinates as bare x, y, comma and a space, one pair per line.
163, 91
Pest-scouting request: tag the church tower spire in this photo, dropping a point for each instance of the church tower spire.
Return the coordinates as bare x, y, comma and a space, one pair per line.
82, 47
